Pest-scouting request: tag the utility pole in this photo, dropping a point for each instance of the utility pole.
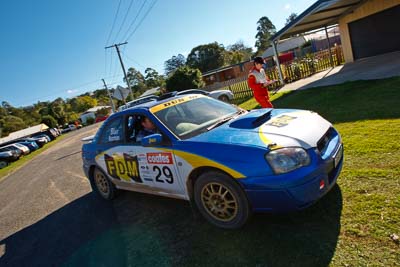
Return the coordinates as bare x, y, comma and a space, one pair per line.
109, 95
122, 64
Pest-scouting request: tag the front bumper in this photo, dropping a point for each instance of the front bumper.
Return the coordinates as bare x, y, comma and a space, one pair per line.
293, 191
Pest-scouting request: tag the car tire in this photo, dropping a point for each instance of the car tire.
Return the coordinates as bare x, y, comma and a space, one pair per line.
102, 185
221, 200
3, 164
224, 98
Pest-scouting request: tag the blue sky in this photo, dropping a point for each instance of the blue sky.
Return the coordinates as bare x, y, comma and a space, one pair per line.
54, 48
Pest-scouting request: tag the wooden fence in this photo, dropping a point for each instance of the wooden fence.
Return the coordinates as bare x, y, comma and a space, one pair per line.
292, 71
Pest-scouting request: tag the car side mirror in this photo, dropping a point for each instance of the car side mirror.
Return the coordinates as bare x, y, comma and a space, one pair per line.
152, 140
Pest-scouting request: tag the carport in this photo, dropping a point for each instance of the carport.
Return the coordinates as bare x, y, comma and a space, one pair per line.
367, 27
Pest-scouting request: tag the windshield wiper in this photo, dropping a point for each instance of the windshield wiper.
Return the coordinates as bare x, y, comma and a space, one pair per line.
225, 119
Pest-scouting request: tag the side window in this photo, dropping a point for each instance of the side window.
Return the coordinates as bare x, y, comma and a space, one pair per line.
138, 126
112, 132
132, 126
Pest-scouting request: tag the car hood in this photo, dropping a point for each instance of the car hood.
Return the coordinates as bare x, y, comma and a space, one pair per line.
271, 128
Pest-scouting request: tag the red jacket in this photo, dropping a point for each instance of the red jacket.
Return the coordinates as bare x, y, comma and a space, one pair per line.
258, 88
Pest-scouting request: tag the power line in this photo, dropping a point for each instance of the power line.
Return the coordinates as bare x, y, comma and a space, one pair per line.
134, 20
115, 18
134, 61
74, 88
145, 15
123, 21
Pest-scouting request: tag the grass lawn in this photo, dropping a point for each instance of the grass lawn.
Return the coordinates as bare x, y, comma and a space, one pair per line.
350, 226
367, 114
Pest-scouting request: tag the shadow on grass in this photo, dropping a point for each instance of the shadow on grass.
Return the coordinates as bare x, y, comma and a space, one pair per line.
350, 101
142, 230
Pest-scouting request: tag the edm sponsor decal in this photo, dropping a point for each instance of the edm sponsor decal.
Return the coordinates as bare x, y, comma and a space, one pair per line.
125, 167
159, 158
281, 121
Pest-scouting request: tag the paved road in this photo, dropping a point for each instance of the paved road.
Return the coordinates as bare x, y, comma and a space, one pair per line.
50, 217
52, 181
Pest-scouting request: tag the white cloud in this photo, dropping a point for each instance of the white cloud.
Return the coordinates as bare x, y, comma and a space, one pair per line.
72, 91
287, 6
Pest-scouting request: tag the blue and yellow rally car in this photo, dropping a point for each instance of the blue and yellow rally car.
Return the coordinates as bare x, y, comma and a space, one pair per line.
230, 161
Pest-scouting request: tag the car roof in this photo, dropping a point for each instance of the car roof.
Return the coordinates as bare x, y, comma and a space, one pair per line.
138, 101
144, 107
194, 91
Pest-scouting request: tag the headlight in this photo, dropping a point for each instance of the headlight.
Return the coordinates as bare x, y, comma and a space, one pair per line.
284, 160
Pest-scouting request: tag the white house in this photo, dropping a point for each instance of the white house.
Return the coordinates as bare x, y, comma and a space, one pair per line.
91, 113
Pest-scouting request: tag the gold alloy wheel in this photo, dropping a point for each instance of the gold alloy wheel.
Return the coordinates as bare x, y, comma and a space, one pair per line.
101, 183
219, 201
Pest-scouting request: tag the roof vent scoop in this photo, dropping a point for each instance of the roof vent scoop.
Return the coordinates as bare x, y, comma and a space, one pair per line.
167, 95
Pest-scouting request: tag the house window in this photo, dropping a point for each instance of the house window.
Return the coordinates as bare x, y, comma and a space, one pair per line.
241, 66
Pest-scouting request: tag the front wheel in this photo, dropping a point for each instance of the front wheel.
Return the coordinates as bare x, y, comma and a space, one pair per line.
3, 164
221, 200
102, 185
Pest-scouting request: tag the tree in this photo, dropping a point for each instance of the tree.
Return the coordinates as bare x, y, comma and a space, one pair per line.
184, 78
136, 79
265, 30
56, 110
10, 110
100, 93
102, 112
82, 103
173, 63
152, 78
49, 121
71, 117
238, 52
206, 57
11, 124
291, 17
31, 116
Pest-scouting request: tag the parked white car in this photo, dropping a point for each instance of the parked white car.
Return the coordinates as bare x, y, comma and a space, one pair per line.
223, 95
25, 150
138, 101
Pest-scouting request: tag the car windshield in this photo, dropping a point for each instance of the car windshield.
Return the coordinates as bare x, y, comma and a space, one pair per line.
193, 115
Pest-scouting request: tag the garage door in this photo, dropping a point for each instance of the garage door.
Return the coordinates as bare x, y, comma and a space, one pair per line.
376, 34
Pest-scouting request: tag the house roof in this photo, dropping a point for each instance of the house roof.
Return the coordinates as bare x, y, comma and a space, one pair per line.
285, 45
24, 132
322, 13
223, 68
321, 35
95, 109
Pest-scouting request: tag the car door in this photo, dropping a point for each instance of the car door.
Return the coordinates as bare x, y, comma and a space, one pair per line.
116, 157
132, 166
156, 164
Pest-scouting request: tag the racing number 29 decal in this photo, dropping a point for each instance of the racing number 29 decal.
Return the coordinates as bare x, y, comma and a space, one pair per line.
163, 172
168, 176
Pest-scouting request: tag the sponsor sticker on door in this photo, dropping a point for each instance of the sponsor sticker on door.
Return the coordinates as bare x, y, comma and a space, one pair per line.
159, 158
